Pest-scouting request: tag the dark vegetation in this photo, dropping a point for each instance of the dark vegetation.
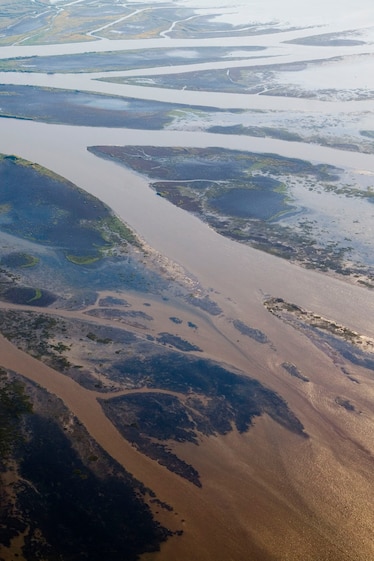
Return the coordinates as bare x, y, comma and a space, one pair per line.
72, 499
246, 80
14, 404
177, 342
19, 260
345, 403
176, 320
204, 303
44, 208
245, 397
50, 339
255, 80
75, 510
132, 317
147, 420
112, 301
28, 296
212, 400
294, 371
260, 132
187, 396
131, 313
207, 165
251, 332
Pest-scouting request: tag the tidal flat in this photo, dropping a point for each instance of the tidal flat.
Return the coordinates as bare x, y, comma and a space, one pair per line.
300, 80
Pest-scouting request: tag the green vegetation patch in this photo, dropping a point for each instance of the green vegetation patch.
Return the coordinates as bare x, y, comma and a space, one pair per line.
83, 259
19, 260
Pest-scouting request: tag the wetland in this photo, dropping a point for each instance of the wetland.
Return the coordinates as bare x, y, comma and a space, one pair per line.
165, 391
249, 197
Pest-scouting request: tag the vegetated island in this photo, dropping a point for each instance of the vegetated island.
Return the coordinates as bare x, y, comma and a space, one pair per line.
265, 80
246, 196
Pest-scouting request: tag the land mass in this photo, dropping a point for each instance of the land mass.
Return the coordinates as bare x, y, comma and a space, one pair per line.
248, 197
